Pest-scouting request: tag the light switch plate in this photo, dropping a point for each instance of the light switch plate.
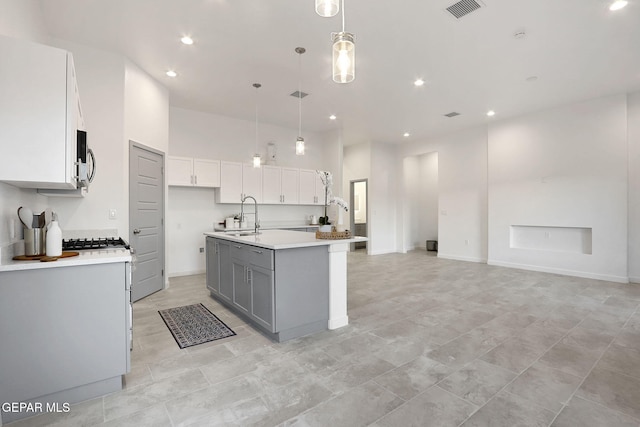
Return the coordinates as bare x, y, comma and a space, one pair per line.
113, 214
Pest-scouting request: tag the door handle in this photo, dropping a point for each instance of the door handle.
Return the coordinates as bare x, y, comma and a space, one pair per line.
136, 231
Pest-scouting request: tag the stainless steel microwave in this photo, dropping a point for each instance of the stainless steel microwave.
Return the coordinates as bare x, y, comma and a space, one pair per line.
86, 160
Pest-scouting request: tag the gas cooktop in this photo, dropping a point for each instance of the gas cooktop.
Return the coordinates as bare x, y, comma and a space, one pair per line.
97, 243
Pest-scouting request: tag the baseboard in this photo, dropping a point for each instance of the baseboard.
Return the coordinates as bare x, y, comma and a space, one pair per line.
461, 258
561, 271
635, 280
186, 273
382, 252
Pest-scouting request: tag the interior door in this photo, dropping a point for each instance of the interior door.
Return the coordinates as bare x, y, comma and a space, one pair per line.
146, 219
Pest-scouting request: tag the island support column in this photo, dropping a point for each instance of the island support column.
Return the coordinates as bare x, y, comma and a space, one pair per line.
338, 285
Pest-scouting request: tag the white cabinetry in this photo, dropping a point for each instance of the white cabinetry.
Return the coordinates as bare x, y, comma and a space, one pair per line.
185, 171
39, 113
237, 181
311, 188
279, 185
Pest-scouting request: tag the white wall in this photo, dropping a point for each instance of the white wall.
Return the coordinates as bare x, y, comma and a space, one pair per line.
192, 211
427, 199
357, 166
633, 135
462, 192
565, 167
383, 191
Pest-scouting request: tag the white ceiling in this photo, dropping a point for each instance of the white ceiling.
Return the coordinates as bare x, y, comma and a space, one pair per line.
577, 49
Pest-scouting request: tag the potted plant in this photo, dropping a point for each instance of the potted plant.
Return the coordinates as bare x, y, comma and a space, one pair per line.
329, 199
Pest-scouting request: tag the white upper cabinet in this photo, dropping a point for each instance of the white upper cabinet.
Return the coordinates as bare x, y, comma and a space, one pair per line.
279, 185
230, 183
188, 172
252, 182
39, 115
311, 188
238, 180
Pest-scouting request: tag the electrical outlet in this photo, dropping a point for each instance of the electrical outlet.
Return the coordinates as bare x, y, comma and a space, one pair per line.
201, 250
113, 214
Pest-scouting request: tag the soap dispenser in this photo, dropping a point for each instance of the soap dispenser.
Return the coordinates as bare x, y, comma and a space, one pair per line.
54, 238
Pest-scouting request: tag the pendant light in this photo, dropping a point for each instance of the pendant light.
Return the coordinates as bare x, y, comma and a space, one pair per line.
344, 55
327, 8
300, 140
256, 157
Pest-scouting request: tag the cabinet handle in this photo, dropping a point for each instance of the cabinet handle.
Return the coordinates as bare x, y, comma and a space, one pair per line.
191, 179
238, 246
196, 179
249, 275
283, 198
258, 252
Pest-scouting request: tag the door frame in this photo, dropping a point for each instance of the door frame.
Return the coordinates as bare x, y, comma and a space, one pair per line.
140, 146
352, 220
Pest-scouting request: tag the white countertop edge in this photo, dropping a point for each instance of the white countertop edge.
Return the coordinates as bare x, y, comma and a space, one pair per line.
68, 262
221, 228
283, 239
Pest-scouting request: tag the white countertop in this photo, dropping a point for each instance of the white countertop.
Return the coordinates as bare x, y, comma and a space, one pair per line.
266, 227
86, 257
283, 239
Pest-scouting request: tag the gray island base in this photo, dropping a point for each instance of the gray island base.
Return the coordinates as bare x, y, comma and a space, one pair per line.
282, 292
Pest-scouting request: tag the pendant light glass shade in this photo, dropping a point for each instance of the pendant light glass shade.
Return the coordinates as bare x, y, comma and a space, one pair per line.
300, 146
327, 8
344, 57
256, 160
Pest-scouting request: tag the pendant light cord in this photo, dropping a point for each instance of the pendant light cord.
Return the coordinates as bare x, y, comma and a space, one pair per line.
300, 94
343, 16
257, 86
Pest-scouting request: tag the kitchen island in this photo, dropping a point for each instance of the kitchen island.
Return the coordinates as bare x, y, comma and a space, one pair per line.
286, 283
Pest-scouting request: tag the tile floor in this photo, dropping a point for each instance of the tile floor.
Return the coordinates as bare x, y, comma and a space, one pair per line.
431, 342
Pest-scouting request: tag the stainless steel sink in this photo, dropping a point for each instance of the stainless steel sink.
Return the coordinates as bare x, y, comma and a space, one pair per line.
245, 233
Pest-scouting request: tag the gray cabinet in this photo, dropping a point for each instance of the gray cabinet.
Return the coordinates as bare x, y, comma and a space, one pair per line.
64, 333
253, 292
225, 284
213, 266
285, 293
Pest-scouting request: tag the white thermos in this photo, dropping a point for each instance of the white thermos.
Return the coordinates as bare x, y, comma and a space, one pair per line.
54, 238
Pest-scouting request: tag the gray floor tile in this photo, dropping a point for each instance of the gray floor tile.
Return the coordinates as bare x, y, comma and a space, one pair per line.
583, 413
357, 407
413, 378
546, 387
613, 390
477, 381
434, 407
508, 410
621, 359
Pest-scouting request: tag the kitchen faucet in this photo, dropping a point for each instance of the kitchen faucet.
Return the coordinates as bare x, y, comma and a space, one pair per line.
255, 212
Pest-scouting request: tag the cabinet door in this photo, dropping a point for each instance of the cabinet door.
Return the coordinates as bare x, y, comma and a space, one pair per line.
230, 183
262, 292
271, 185
213, 265
252, 182
206, 173
241, 286
290, 186
226, 270
311, 188
38, 110
180, 171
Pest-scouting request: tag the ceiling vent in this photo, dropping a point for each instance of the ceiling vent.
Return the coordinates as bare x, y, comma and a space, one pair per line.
464, 7
298, 94
452, 114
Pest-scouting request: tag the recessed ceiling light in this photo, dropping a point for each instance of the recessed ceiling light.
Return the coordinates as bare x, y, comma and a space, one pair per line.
491, 113
618, 4
332, 117
187, 40
406, 134
419, 82
171, 73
